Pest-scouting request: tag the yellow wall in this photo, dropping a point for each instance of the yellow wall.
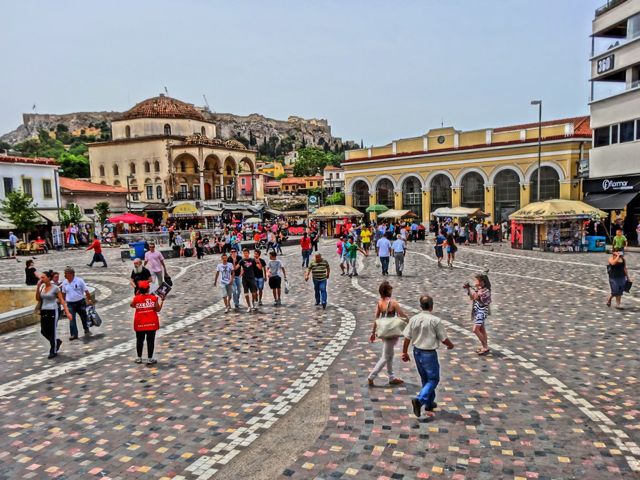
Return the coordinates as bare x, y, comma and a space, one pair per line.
473, 138
410, 145
379, 151
499, 137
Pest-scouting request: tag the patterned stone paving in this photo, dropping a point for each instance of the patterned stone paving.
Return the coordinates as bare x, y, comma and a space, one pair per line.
556, 399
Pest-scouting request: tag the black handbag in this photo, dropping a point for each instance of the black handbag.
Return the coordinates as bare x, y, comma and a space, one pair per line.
627, 286
167, 280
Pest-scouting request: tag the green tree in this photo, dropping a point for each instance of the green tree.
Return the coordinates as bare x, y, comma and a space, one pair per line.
71, 215
312, 160
281, 176
21, 210
335, 199
74, 166
102, 210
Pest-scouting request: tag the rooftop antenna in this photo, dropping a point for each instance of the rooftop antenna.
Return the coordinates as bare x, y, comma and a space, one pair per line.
442, 123
166, 91
206, 103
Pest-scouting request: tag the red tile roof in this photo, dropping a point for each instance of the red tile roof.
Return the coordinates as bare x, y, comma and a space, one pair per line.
34, 161
580, 125
331, 167
163, 107
74, 185
275, 184
293, 181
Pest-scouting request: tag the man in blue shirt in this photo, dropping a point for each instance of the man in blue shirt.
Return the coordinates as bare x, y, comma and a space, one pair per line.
398, 250
414, 231
13, 245
384, 252
440, 239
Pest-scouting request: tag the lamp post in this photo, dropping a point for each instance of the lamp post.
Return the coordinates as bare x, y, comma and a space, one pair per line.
129, 178
539, 104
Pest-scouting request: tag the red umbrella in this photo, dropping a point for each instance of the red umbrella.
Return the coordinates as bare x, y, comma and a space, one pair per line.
129, 218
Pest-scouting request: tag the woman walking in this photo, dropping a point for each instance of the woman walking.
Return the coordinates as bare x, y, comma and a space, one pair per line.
480, 295
452, 248
145, 320
388, 328
618, 276
49, 295
30, 274
199, 246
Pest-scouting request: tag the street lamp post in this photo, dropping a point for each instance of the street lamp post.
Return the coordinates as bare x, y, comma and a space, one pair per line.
129, 177
539, 104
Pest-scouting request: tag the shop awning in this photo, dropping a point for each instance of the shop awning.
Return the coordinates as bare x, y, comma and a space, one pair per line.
212, 213
610, 201
48, 216
5, 224
458, 212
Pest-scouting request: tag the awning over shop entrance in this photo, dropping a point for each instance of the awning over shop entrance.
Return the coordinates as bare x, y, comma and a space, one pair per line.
610, 201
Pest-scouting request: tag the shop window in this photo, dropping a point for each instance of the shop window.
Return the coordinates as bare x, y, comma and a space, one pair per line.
614, 134
601, 137
384, 193
626, 131
46, 188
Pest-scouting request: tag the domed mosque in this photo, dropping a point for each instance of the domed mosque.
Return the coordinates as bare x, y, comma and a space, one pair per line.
167, 153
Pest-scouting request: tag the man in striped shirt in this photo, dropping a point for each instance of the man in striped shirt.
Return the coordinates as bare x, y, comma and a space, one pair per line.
319, 271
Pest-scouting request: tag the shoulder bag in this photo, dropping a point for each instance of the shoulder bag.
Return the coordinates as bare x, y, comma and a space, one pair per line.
389, 327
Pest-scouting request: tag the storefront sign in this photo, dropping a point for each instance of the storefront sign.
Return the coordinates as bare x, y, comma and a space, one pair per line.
613, 184
185, 209
605, 64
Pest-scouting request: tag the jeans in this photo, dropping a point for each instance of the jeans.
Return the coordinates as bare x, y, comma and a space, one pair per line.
79, 307
429, 370
157, 278
237, 287
353, 263
306, 255
320, 290
388, 345
98, 257
399, 261
384, 261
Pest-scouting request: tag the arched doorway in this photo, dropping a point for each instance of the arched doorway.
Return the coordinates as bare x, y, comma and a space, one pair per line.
229, 170
412, 195
507, 194
440, 192
212, 177
472, 190
207, 191
384, 192
361, 196
549, 184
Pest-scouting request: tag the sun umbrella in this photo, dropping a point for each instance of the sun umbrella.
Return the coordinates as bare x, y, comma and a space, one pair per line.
377, 208
556, 210
397, 214
129, 218
252, 220
329, 212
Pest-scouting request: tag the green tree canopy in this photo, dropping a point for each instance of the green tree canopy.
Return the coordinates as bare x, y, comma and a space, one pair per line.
21, 210
102, 210
71, 215
335, 199
74, 166
312, 160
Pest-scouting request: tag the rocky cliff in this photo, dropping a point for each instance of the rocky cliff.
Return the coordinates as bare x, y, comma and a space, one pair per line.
257, 131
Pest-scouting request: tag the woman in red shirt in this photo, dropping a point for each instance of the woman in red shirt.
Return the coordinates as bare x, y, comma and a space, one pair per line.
146, 320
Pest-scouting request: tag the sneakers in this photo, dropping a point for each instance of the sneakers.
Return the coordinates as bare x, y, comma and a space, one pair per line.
138, 360
260, 302
52, 355
71, 339
88, 333
416, 406
152, 361
58, 344
227, 309
324, 306
432, 407
248, 310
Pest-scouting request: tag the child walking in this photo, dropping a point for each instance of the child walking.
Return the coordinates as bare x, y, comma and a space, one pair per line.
145, 320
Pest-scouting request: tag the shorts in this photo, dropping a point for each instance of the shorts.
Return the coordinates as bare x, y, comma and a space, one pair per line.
260, 283
249, 285
275, 282
439, 252
227, 290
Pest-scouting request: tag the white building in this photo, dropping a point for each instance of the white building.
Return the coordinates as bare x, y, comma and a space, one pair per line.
614, 171
333, 179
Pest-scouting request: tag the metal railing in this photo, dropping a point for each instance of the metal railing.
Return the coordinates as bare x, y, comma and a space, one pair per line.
159, 238
608, 6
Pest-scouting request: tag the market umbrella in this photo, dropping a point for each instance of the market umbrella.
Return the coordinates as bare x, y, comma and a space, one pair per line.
377, 208
397, 214
252, 220
129, 218
458, 212
556, 210
331, 212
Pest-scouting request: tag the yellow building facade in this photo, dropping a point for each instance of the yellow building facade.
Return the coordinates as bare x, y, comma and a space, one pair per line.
491, 169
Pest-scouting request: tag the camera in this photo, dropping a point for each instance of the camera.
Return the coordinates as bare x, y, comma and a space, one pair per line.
466, 285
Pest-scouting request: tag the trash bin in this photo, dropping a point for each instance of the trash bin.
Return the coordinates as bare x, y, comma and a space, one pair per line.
4, 248
137, 250
596, 244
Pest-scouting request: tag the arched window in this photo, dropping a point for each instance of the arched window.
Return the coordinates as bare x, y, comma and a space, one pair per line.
132, 168
116, 183
156, 166
147, 167
507, 194
127, 131
116, 170
158, 192
183, 166
412, 195
440, 192
101, 170
167, 129
384, 192
549, 184
360, 195
203, 131
472, 190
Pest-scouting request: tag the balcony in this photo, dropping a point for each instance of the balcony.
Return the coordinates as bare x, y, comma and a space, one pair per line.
186, 196
608, 6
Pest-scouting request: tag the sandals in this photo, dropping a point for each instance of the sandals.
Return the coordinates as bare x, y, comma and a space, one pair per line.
484, 352
608, 303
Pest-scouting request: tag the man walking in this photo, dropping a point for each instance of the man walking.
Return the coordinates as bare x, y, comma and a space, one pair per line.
225, 271
77, 296
425, 332
398, 250
154, 261
248, 267
352, 256
13, 245
384, 251
139, 274
275, 272
96, 246
258, 272
319, 271
237, 278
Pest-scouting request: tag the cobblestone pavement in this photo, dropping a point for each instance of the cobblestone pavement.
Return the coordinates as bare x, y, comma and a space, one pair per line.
556, 398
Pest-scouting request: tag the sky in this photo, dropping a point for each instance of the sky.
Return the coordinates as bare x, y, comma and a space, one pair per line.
377, 70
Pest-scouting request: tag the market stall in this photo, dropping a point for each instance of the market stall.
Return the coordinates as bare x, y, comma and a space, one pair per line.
337, 217
458, 212
553, 225
397, 214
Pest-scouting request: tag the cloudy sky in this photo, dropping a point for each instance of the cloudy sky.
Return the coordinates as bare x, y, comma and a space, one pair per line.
376, 69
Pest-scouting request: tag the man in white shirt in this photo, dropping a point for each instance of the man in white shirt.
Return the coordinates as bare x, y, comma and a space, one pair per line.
425, 332
384, 252
398, 250
77, 296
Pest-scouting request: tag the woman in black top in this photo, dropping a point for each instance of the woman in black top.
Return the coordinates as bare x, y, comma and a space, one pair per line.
618, 276
30, 274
